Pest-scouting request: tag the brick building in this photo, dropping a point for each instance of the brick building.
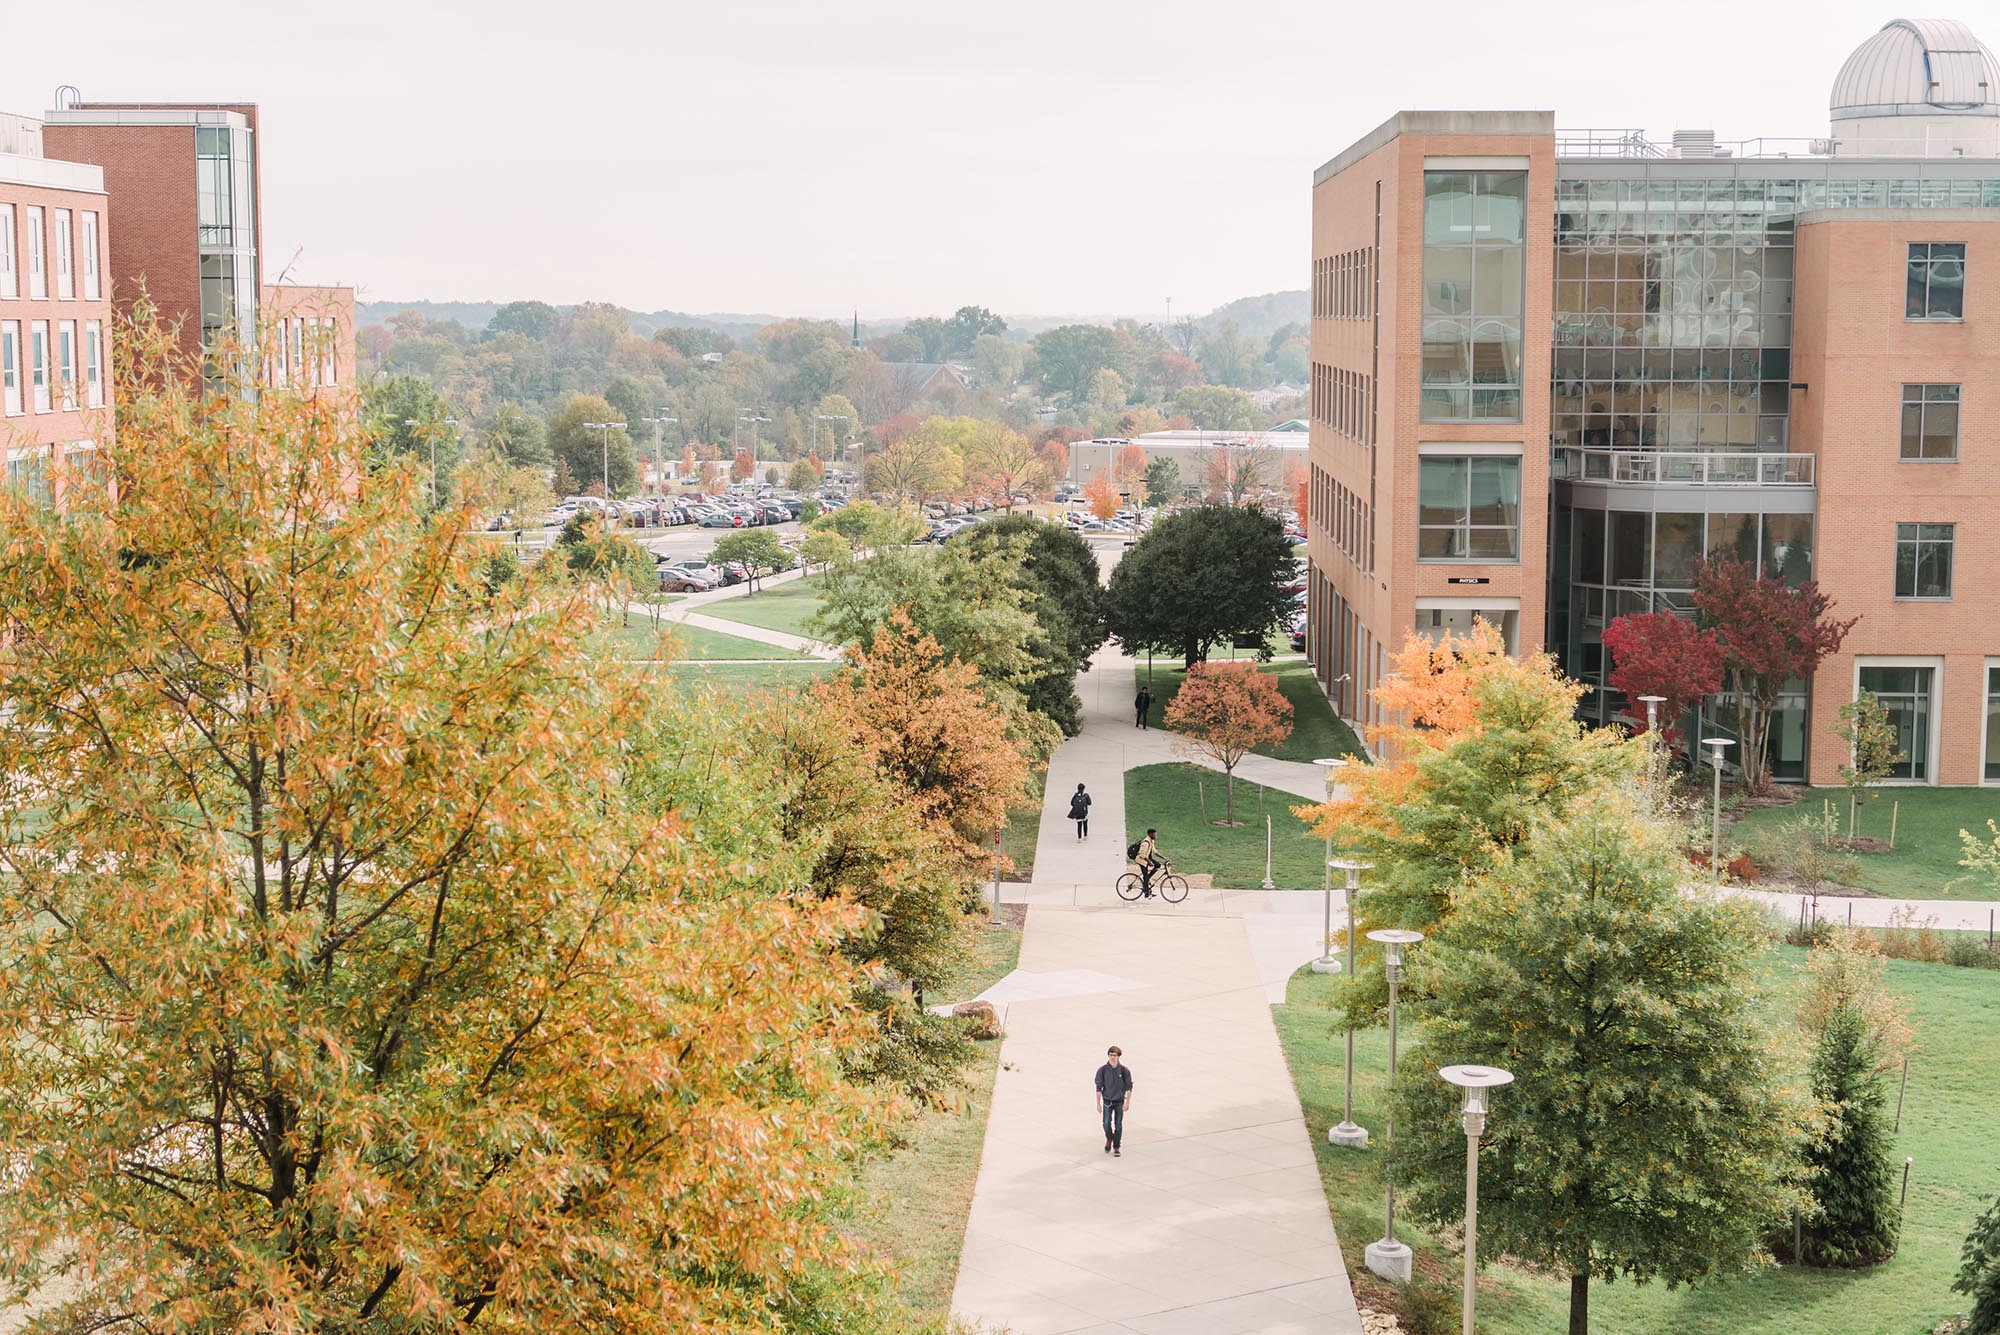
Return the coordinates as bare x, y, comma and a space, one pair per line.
1551, 368
55, 309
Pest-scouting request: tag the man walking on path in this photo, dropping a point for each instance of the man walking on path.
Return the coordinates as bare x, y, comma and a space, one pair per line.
1114, 1098
1142, 705
1079, 811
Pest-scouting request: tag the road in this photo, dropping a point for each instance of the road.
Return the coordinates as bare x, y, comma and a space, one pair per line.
674, 543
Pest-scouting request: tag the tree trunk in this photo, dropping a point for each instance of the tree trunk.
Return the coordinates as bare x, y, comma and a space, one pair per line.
1229, 804
1579, 1304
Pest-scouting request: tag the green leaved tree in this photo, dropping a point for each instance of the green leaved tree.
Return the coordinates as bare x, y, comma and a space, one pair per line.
1649, 1132
1200, 577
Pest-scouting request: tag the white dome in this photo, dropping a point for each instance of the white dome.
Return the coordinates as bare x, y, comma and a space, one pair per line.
1918, 67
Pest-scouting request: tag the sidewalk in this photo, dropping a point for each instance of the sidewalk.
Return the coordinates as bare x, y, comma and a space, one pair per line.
1213, 1221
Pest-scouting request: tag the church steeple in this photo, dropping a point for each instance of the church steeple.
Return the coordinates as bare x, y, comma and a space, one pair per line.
857, 327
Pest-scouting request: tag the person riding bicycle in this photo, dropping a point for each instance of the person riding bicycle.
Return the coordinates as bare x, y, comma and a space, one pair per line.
1149, 860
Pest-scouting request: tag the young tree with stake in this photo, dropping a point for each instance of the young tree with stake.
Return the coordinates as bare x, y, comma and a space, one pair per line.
1223, 711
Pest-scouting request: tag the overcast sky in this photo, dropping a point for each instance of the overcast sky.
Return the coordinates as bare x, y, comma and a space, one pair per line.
798, 156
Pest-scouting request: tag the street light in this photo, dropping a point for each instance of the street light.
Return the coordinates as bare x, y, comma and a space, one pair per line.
1326, 963
1653, 703
428, 431
1715, 745
1348, 1134
659, 468
607, 428
1472, 1083
831, 438
752, 420
1389, 1258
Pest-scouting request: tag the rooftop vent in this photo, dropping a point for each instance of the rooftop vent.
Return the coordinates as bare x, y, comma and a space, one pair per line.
1694, 143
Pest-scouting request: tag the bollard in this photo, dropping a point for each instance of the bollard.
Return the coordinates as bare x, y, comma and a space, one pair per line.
1902, 1087
1895, 809
1905, 1198
1269, 884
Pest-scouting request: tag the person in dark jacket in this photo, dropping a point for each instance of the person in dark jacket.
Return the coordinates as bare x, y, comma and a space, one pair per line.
1079, 811
1114, 1099
1142, 705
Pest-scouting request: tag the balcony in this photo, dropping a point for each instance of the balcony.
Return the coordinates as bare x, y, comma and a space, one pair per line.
1680, 468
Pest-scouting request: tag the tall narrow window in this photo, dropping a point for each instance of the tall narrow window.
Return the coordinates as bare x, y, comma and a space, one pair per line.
38, 272
65, 258
10, 269
327, 361
38, 359
1936, 282
66, 363
1905, 692
1930, 422
1475, 260
93, 289
1992, 723
10, 366
1923, 560
214, 198
93, 363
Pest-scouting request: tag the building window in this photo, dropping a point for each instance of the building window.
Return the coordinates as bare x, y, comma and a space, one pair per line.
1930, 422
27, 472
38, 358
65, 258
214, 201
38, 274
218, 296
92, 290
93, 363
1475, 260
1992, 723
1936, 281
66, 363
1923, 560
1906, 693
1469, 509
10, 366
10, 273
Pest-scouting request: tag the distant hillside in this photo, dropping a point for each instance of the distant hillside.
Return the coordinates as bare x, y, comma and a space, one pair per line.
474, 315
1260, 317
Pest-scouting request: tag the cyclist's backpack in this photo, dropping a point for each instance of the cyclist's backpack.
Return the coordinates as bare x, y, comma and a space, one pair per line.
1133, 851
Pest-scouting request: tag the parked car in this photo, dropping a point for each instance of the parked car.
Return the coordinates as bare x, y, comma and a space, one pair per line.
721, 519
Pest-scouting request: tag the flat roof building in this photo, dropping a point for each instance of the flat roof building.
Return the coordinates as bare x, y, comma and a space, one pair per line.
1550, 368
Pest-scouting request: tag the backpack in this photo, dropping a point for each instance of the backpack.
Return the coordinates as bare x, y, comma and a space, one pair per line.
1133, 850
1079, 807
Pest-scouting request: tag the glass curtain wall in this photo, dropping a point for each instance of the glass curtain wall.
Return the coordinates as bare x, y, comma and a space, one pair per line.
226, 220
1475, 262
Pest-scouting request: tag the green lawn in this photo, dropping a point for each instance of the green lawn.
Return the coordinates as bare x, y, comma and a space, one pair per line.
1170, 797
1018, 838
917, 1200
640, 640
1924, 863
785, 607
782, 674
1947, 1128
1316, 730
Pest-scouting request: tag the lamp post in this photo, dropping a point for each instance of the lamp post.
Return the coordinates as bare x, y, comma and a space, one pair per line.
1389, 1258
831, 438
1326, 963
428, 431
1653, 703
659, 468
607, 428
1715, 746
1348, 1134
1472, 1083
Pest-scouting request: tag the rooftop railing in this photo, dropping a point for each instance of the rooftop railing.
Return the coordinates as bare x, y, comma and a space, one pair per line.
1680, 468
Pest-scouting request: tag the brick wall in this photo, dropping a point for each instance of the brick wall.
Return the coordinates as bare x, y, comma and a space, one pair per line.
57, 429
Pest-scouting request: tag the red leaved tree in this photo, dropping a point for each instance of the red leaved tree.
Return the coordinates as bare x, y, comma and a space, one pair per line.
742, 466
1770, 633
1225, 710
1658, 653
1102, 496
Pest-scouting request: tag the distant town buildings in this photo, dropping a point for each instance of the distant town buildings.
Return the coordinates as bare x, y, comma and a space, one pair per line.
1269, 456
1550, 368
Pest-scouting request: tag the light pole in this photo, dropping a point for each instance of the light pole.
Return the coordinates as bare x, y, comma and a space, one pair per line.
1326, 963
607, 428
1389, 1258
1348, 1134
831, 437
428, 431
1715, 746
659, 468
1472, 1083
1653, 703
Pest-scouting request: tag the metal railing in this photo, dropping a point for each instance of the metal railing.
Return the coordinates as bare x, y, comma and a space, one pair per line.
1686, 468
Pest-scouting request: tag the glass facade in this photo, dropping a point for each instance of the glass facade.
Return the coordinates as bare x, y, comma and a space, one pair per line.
1475, 262
226, 223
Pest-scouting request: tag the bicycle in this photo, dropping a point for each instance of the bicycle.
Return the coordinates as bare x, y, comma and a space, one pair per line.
1167, 883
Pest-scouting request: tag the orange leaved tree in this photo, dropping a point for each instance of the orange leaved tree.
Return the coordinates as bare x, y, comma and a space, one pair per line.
1223, 711
1483, 751
347, 987
1102, 495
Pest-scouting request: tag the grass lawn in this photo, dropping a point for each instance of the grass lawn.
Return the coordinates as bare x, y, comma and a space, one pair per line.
1946, 1128
1924, 863
641, 640
785, 607
1170, 798
793, 674
917, 1200
1316, 730
1018, 838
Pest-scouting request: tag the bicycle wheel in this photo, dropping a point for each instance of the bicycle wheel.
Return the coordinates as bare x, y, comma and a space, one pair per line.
1173, 888
1128, 885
